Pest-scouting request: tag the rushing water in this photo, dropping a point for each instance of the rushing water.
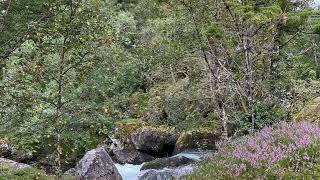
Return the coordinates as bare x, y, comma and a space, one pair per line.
129, 171
132, 172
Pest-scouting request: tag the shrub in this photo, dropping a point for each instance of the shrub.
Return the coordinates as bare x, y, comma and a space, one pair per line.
285, 151
265, 114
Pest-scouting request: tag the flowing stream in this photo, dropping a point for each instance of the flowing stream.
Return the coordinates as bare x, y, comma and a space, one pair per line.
132, 172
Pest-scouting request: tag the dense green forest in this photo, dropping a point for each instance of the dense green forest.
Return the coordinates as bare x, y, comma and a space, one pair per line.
76, 72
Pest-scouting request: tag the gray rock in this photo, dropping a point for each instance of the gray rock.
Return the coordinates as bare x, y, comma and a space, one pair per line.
110, 148
125, 156
108, 145
179, 173
154, 141
22, 156
5, 150
157, 175
70, 172
197, 139
97, 165
12, 164
170, 162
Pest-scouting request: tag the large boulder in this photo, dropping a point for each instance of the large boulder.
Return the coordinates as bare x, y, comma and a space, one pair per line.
170, 162
156, 175
123, 132
97, 165
201, 138
134, 134
127, 156
12, 164
310, 112
158, 142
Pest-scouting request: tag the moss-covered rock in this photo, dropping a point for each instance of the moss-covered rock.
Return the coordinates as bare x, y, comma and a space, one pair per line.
138, 135
125, 156
311, 112
200, 138
170, 162
156, 141
124, 129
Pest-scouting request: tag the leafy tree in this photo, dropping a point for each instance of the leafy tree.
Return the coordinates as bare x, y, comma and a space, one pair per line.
49, 101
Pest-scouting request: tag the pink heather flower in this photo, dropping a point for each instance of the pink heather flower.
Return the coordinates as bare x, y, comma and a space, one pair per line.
269, 146
305, 156
304, 141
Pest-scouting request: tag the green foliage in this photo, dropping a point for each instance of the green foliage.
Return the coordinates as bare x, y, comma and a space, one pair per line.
265, 114
215, 30
317, 29
71, 69
50, 102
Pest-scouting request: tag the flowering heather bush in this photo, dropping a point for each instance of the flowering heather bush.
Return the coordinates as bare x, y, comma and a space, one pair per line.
284, 151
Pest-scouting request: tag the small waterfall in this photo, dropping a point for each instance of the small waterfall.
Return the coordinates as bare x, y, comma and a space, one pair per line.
129, 171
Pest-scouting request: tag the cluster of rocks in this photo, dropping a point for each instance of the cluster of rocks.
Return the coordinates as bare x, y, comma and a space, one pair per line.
97, 164
167, 168
142, 146
145, 143
153, 147
135, 143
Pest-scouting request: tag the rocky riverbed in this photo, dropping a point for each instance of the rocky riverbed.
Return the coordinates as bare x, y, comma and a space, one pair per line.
134, 172
138, 152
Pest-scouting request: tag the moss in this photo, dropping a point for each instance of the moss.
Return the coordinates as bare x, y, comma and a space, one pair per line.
170, 162
198, 138
25, 174
127, 127
159, 129
311, 112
